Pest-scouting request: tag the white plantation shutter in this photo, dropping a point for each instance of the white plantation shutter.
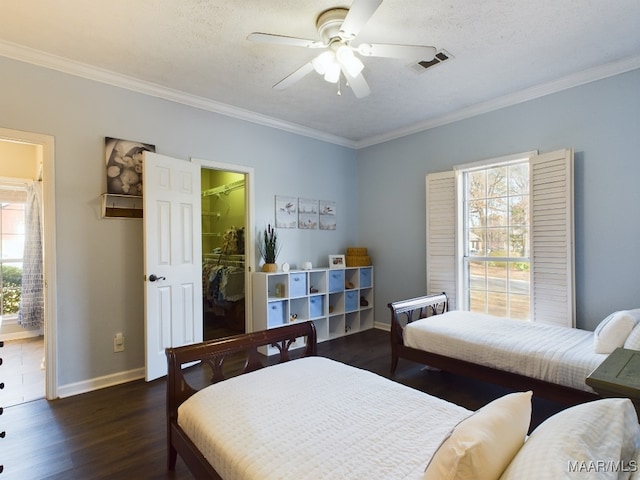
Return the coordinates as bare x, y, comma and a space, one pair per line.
552, 238
441, 235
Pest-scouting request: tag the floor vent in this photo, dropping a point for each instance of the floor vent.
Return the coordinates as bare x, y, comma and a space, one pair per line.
441, 56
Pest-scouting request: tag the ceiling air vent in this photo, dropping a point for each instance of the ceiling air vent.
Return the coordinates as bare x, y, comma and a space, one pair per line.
441, 56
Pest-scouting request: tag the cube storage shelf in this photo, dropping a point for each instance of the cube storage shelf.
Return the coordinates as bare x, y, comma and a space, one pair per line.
337, 301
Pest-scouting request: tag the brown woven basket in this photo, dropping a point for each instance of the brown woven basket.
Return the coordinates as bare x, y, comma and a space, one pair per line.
358, 260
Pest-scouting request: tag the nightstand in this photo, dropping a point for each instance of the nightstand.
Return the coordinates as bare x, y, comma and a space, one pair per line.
618, 376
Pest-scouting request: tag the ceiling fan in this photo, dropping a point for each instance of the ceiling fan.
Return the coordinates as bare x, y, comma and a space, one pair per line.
338, 29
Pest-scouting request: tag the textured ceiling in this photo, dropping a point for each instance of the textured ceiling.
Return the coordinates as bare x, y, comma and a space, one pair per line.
500, 48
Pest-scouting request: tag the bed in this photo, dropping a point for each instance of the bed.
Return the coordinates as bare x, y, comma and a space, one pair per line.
552, 361
313, 418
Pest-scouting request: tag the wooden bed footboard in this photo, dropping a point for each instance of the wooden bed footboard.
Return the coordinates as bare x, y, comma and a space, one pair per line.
405, 311
214, 354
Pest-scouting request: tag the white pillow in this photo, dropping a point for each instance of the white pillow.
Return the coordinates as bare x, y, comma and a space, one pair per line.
633, 340
612, 332
588, 441
482, 445
634, 465
635, 313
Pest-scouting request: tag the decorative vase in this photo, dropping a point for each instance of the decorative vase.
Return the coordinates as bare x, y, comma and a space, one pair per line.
270, 267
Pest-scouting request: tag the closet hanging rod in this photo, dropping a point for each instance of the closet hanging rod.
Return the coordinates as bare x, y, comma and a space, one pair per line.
223, 188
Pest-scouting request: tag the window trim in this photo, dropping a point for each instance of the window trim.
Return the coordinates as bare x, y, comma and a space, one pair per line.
495, 162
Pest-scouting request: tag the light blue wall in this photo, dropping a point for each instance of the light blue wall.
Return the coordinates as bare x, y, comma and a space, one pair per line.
379, 193
99, 261
600, 120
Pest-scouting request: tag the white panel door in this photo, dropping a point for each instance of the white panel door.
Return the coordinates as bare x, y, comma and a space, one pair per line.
172, 258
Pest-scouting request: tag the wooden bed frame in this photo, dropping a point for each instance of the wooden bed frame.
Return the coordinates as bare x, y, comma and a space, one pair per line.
214, 354
405, 311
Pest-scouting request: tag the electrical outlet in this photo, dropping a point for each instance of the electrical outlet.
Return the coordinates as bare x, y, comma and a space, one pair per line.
118, 342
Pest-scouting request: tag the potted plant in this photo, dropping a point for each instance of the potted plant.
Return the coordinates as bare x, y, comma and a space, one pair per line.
269, 248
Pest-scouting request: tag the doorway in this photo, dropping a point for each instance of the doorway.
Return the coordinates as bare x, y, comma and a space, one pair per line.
173, 266
29, 354
226, 248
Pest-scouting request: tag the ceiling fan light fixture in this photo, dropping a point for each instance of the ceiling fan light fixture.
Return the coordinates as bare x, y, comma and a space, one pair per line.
349, 61
332, 75
323, 61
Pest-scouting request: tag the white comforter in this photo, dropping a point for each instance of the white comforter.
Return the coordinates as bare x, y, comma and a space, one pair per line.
315, 418
547, 352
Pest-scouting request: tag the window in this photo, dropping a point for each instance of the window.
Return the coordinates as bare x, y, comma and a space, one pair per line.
500, 237
12, 234
495, 236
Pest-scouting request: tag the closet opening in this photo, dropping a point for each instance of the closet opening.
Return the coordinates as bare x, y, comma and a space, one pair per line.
224, 224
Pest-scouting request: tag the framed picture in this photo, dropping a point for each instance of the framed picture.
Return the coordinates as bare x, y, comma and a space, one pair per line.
327, 215
286, 212
307, 214
124, 165
337, 261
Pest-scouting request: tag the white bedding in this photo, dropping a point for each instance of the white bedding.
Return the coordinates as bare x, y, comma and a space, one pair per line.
556, 354
315, 419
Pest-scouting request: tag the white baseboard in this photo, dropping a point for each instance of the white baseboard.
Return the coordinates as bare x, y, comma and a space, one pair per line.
100, 382
382, 326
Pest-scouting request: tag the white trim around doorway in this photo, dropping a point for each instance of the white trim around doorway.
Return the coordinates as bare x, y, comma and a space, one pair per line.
250, 226
46, 143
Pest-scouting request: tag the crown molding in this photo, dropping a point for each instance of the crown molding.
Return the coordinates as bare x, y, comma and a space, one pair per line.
54, 62
587, 76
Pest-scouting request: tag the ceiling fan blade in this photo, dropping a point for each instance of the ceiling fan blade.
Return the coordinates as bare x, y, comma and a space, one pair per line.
294, 77
406, 52
359, 13
358, 84
283, 40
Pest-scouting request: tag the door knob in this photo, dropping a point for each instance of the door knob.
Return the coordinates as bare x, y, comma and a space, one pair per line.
153, 278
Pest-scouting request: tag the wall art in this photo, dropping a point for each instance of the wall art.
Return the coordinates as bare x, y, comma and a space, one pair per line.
307, 214
286, 212
327, 215
124, 165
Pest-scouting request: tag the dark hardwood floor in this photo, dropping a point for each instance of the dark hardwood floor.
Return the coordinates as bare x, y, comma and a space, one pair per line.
119, 432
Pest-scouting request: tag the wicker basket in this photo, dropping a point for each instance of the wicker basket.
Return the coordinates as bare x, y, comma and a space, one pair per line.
358, 260
357, 251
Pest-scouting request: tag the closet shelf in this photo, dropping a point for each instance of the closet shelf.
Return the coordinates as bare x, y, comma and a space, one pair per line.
121, 206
